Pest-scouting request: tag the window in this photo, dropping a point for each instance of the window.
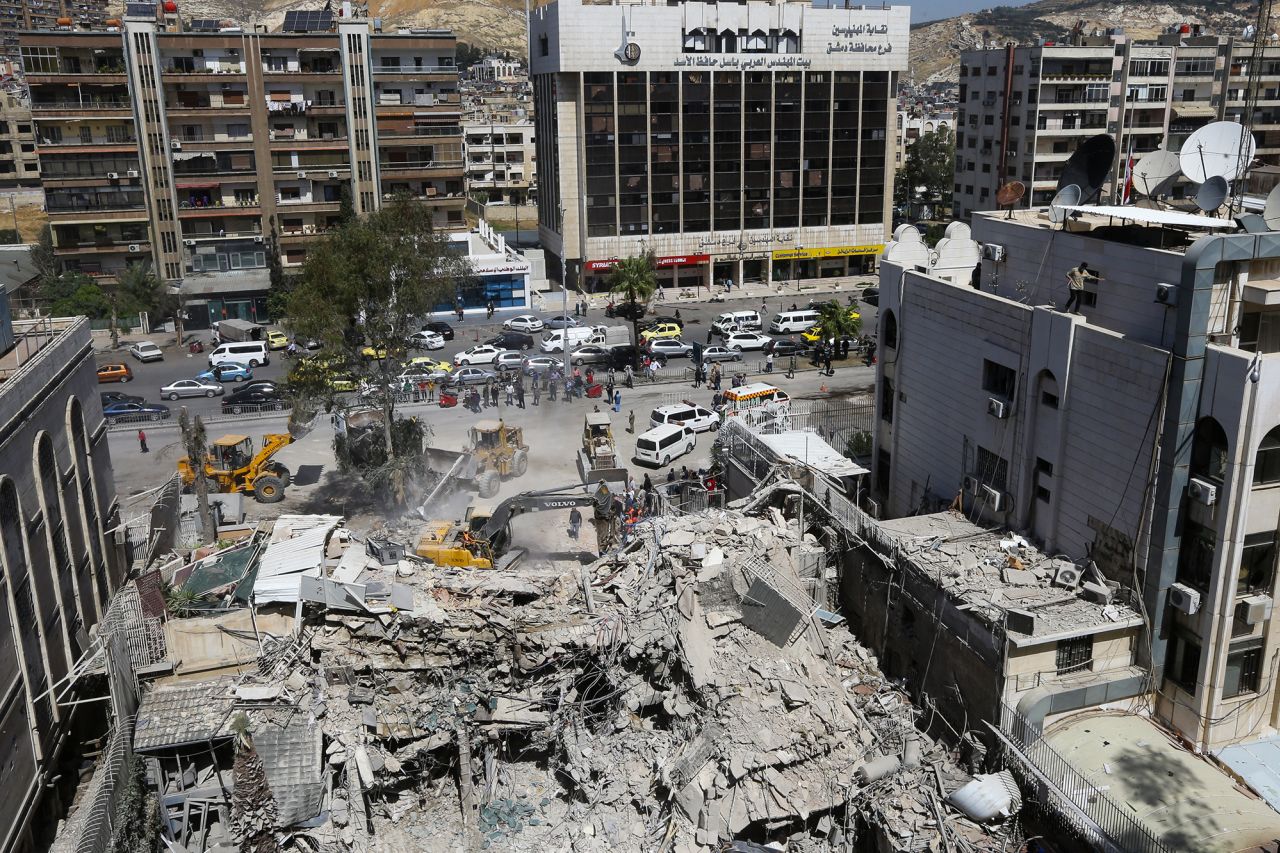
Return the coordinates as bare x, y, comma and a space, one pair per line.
1195, 557
544, 47
1048, 399
992, 470
1182, 666
1243, 668
1266, 464
998, 379
989, 120
237, 131
1075, 654
1209, 451
1043, 479
886, 401
890, 335
1257, 563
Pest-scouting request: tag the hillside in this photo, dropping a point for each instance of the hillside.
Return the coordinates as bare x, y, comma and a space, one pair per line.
936, 46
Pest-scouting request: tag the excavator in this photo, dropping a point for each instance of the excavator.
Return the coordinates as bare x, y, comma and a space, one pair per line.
233, 466
481, 539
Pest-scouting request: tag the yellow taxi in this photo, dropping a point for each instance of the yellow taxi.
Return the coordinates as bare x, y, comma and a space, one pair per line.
662, 330
277, 339
379, 352
815, 333
425, 362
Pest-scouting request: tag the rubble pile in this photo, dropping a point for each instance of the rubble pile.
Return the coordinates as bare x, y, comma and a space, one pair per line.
672, 696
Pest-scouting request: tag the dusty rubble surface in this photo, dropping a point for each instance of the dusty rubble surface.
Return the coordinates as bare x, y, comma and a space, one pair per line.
688, 700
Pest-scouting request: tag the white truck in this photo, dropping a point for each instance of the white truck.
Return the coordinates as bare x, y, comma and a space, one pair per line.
238, 331
610, 336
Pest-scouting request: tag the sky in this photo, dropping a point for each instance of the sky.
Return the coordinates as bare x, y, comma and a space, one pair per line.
932, 10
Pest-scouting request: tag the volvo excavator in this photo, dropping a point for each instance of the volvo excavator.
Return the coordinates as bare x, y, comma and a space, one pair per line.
482, 538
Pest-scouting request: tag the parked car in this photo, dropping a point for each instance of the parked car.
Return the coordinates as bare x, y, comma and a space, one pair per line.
661, 444
191, 388
127, 412
523, 323
109, 397
478, 354
695, 417
870, 295
625, 310
251, 399
540, 364
562, 321
440, 327
145, 351
713, 354
426, 340
470, 376
228, 371
259, 385
277, 339
114, 373
511, 359
428, 365
669, 348
590, 354
379, 353
621, 355
511, 340
659, 321
662, 330
783, 348
747, 341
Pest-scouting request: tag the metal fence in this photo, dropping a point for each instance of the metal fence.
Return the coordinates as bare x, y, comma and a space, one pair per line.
1069, 799
242, 411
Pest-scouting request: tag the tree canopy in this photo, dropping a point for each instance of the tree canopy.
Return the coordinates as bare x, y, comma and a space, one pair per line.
838, 321
928, 174
633, 279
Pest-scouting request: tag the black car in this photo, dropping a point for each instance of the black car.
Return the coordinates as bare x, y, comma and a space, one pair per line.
625, 310
441, 328
252, 399
782, 348
511, 340
109, 397
871, 296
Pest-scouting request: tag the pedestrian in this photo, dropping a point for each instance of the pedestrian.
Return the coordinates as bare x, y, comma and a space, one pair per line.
511, 393
552, 385
612, 377
591, 376
142, 442
568, 389
764, 307
697, 375
575, 523
488, 392
459, 311
617, 401
793, 307
647, 483
768, 363
519, 394
662, 293
830, 371
1076, 279
608, 388
488, 307
629, 378
710, 335
631, 424
537, 391
728, 285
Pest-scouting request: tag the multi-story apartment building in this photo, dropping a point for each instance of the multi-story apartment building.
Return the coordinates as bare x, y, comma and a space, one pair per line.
1024, 110
196, 149
912, 126
746, 141
501, 162
19, 162
59, 562
1141, 434
19, 15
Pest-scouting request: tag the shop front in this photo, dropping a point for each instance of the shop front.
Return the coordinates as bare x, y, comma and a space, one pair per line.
673, 272
827, 262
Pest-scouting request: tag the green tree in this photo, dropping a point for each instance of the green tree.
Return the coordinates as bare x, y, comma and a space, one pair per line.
81, 297
364, 289
281, 286
196, 442
837, 321
46, 263
346, 207
633, 279
928, 174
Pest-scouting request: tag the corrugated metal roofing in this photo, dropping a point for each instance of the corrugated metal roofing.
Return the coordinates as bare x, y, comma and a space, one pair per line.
176, 716
809, 448
286, 560
289, 745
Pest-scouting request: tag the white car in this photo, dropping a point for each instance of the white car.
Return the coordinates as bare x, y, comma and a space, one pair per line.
190, 388
695, 417
511, 359
146, 351
747, 340
478, 354
712, 354
524, 323
426, 340
540, 364
669, 348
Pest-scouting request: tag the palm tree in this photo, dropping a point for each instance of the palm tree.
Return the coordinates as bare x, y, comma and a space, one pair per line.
196, 442
632, 279
835, 321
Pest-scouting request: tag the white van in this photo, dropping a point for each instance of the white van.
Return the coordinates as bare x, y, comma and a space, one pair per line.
792, 322
737, 321
553, 340
662, 444
252, 353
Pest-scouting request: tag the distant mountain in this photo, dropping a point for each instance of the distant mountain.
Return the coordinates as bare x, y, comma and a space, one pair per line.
936, 45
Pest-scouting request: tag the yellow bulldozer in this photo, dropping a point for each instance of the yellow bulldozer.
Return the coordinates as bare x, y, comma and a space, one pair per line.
495, 451
233, 466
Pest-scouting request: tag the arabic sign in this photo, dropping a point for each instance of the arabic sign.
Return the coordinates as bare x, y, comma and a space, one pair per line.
846, 41
830, 252
744, 64
483, 270
669, 261
743, 243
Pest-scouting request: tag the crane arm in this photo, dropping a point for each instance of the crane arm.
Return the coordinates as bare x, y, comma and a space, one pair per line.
565, 497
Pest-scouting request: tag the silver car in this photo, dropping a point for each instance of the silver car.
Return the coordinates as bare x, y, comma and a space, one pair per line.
590, 354
190, 388
540, 364
669, 347
711, 354
470, 376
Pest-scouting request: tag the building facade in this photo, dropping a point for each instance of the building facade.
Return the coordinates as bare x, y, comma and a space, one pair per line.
501, 159
201, 151
1024, 110
19, 162
746, 141
1141, 434
60, 563
66, 15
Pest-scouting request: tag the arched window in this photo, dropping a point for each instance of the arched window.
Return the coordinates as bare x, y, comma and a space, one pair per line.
94, 588
1047, 388
63, 609
788, 42
17, 574
1266, 464
1209, 451
890, 333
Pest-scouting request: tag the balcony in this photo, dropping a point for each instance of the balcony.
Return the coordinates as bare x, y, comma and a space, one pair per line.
200, 70
104, 247
95, 203
80, 145
421, 133
408, 166
419, 70
84, 105
1074, 77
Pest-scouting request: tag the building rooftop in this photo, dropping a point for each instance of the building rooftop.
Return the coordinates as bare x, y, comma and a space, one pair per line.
1153, 230
992, 572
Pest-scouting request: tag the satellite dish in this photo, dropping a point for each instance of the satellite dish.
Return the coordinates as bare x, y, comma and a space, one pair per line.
1009, 195
1222, 148
1088, 167
1211, 194
1155, 173
1068, 195
1271, 211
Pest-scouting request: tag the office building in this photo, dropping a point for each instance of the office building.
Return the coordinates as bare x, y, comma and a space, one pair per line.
1024, 110
745, 141
501, 163
65, 15
59, 559
199, 148
1141, 434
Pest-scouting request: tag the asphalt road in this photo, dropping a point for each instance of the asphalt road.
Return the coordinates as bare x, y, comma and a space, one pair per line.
179, 364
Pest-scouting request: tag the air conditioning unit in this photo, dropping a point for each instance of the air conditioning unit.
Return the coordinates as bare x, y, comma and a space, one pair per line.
113, 176
175, 144
188, 242
971, 485
333, 174
993, 252
120, 535
134, 247
1167, 294
1184, 598
1067, 577
132, 173
257, 238
1254, 609
997, 408
301, 174
996, 499
233, 51
1203, 491
873, 508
